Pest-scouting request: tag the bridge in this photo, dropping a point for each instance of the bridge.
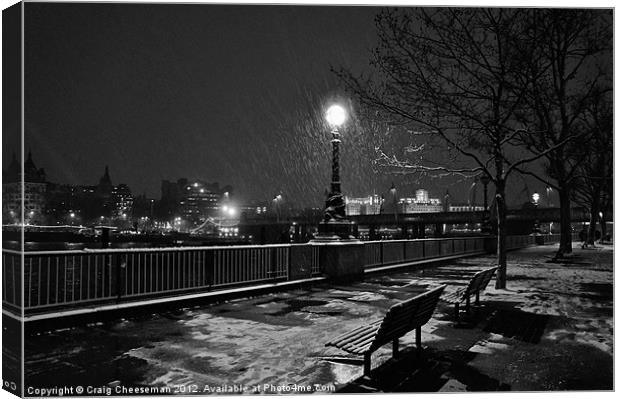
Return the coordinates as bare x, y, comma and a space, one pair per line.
540, 214
579, 214
410, 225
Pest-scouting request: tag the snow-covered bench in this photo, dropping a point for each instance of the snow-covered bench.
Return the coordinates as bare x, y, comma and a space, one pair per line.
400, 319
477, 284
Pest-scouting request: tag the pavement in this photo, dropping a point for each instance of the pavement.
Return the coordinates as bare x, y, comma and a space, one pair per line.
551, 329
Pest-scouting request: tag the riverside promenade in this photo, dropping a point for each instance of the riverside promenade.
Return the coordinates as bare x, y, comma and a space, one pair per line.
551, 329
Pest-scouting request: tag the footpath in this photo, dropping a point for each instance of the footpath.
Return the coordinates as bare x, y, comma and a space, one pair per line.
551, 329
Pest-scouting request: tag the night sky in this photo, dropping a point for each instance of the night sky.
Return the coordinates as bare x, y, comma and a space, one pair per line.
233, 94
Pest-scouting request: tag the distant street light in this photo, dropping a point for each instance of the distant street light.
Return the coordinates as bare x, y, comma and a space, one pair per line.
394, 201
535, 198
485, 180
276, 205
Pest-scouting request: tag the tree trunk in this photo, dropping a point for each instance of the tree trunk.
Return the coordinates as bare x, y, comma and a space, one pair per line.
500, 281
603, 223
566, 243
594, 217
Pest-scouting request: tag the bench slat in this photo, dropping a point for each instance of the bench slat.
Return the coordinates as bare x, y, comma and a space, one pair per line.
343, 338
361, 345
359, 340
456, 296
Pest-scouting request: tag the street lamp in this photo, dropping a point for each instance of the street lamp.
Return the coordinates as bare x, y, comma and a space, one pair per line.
335, 206
334, 225
535, 198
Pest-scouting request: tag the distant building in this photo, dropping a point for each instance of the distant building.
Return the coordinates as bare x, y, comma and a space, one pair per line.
420, 204
143, 207
194, 201
421, 196
86, 204
254, 209
465, 208
70, 204
370, 205
34, 188
122, 201
199, 200
109, 201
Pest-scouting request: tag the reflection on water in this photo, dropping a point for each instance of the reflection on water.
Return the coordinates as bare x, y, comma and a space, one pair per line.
65, 246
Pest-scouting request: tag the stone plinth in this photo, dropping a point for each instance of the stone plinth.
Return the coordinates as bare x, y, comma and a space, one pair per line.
342, 260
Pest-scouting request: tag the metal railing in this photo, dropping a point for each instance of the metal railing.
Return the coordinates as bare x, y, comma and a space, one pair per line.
382, 253
60, 278
53, 279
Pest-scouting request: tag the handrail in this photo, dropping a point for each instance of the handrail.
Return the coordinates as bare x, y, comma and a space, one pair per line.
155, 249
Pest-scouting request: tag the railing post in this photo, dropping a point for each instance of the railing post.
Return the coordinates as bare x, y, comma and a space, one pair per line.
118, 263
273, 255
208, 267
290, 263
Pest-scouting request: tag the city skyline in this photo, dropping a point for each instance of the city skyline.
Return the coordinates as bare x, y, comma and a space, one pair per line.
252, 117
403, 196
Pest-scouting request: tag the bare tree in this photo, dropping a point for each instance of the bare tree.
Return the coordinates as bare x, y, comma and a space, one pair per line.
594, 176
567, 59
448, 76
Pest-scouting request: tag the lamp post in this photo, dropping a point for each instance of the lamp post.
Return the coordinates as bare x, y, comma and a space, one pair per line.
334, 225
335, 117
276, 206
485, 180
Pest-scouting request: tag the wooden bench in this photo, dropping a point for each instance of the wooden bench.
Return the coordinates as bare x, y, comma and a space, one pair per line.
400, 319
477, 284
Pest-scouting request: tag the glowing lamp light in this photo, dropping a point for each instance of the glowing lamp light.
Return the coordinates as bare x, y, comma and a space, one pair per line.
231, 211
535, 197
336, 115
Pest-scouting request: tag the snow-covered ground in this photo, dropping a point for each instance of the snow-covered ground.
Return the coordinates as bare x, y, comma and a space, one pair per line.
552, 328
